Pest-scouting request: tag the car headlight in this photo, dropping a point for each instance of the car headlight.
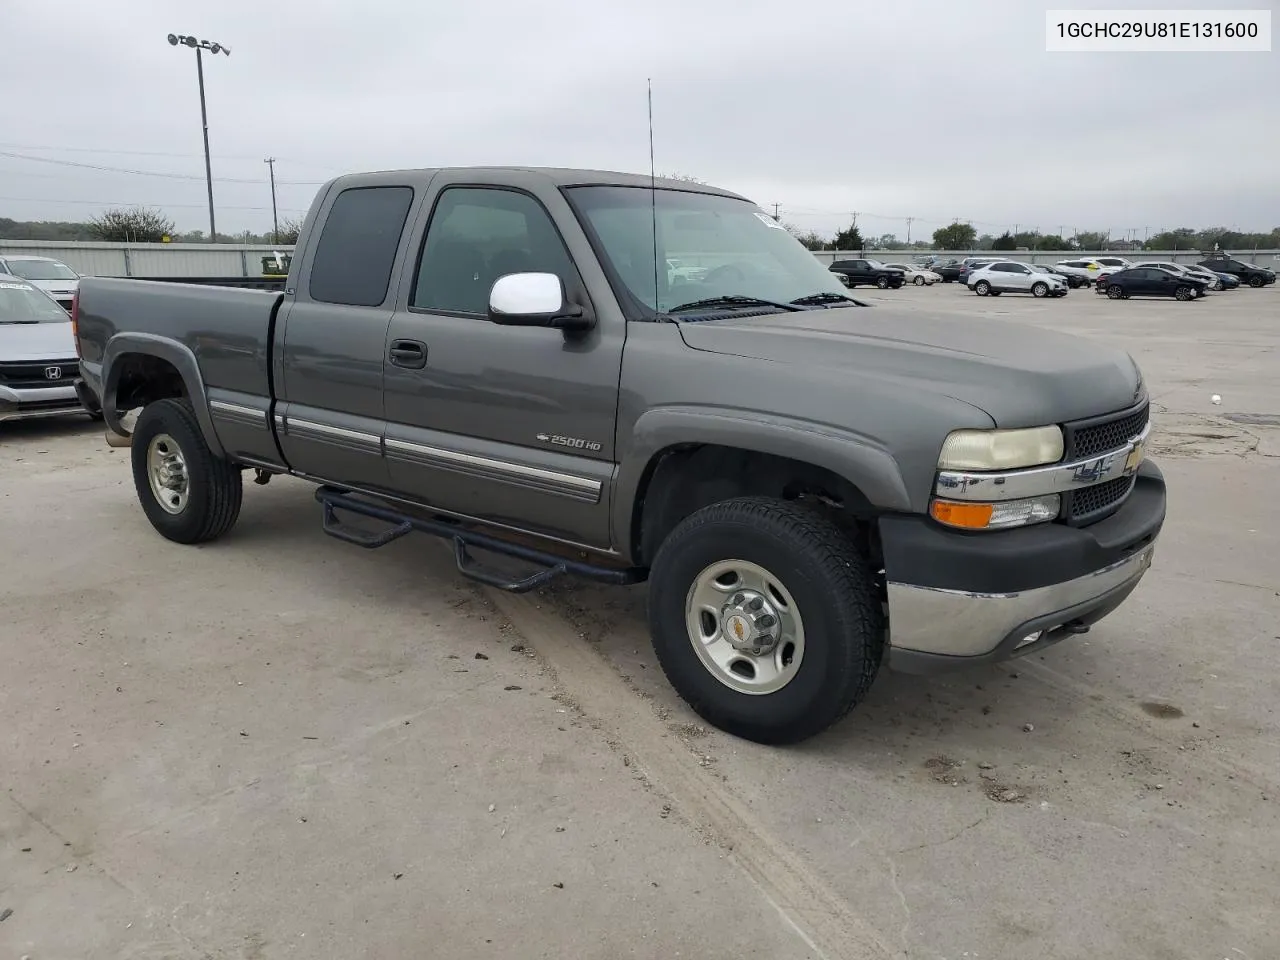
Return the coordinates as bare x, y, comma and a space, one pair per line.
1001, 449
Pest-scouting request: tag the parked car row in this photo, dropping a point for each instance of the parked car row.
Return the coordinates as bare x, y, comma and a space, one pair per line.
1182, 281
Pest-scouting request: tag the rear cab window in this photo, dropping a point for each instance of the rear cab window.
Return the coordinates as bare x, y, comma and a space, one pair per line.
357, 248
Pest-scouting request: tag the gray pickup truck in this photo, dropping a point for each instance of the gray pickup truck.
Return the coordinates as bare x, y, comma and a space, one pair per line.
811, 486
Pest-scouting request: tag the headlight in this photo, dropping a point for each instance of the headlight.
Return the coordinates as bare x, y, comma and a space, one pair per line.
1001, 449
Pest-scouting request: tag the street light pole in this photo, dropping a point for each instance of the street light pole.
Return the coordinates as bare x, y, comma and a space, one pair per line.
275, 219
199, 46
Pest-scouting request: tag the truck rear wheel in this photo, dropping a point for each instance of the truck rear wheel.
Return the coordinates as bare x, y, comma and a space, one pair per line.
765, 619
188, 494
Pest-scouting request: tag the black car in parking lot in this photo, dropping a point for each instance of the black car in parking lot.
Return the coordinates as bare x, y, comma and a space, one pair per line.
872, 272
1152, 282
948, 271
1250, 273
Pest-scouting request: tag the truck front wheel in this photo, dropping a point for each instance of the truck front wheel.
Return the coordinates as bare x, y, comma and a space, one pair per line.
765, 619
188, 494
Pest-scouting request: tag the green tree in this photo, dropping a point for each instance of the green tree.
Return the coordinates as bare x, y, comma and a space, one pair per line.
1090, 240
1052, 242
132, 225
849, 238
1182, 238
1005, 241
955, 236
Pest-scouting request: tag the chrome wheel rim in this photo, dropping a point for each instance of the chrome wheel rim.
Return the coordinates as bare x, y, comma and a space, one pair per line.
745, 627
167, 471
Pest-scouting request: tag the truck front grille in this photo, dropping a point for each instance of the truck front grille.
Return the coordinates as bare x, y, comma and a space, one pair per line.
1092, 438
1089, 438
1093, 503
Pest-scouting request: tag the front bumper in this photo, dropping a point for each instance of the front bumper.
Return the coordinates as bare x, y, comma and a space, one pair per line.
957, 599
26, 404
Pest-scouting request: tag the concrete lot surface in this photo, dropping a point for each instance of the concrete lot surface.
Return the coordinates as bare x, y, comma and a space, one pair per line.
278, 745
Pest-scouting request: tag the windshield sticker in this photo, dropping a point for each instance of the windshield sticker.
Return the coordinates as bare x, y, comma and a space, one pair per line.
768, 221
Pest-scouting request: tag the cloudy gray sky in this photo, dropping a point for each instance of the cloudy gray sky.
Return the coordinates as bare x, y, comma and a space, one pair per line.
917, 108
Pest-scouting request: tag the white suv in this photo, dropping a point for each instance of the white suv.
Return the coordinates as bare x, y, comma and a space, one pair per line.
1012, 276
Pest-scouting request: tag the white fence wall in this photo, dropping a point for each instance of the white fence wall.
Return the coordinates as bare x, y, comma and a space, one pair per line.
239, 260
150, 259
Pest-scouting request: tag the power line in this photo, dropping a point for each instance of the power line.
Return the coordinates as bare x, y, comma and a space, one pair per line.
119, 203
156, 153
162, 174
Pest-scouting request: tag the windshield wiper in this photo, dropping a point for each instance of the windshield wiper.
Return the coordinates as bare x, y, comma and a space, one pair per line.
733, 300
816, 299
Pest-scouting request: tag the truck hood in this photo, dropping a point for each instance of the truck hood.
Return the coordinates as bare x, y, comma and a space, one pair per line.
26, 342
1019, 375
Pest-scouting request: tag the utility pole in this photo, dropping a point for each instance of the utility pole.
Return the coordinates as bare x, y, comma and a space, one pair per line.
199, 46
909, 219
275, 219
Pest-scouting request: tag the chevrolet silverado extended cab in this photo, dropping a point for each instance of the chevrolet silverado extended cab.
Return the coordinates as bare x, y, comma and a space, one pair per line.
812, 487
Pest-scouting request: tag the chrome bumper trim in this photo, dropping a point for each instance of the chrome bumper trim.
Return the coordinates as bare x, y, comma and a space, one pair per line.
961, 624
1042, 481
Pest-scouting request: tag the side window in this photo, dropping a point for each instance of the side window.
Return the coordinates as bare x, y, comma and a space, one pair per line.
478, 234
357, 247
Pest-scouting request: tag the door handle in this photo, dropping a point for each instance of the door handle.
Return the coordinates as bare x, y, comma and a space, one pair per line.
411, 354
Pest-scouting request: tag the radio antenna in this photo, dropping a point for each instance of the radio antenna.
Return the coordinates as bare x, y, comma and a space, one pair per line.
653, 200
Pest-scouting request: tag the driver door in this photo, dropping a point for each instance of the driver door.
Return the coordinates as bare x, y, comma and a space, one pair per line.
512, 425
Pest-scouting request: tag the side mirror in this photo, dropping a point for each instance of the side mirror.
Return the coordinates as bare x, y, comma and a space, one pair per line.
534, 300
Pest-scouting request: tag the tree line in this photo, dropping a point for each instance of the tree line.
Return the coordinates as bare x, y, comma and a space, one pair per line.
136, 225
963, 236
146, 225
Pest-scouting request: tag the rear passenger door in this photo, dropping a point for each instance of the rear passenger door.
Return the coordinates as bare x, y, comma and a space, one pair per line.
332, 337
512, 425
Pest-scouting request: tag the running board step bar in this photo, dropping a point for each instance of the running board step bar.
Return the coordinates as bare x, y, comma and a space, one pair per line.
551, 566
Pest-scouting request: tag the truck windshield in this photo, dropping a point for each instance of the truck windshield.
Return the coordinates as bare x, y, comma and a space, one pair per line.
20, 303
41, 270
724, 247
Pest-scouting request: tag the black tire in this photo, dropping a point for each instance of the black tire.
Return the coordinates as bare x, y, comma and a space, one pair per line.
882, 282
982, 288
1114, 292
1256, 281
832, 586
1184, 293
918, 281
214, 487
1039, 289
95, 415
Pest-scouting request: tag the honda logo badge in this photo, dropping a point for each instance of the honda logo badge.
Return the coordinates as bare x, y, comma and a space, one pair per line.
53, 373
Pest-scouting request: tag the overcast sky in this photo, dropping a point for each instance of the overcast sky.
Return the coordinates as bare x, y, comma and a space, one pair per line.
929, 109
